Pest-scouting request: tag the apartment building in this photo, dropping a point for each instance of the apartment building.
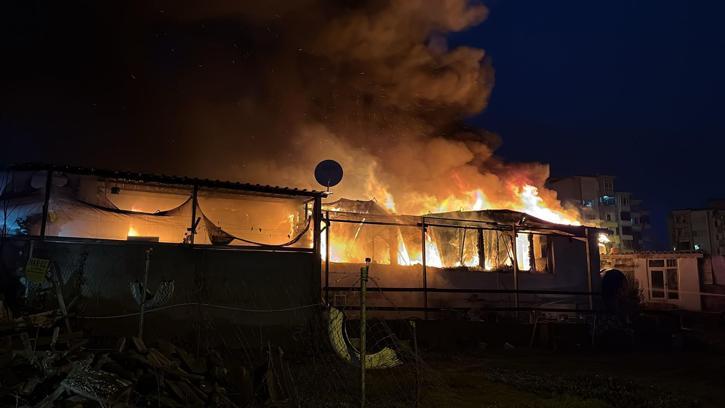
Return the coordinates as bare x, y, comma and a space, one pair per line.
602, 205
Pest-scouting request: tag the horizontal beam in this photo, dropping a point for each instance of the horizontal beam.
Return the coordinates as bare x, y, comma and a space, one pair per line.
471, 290
464, 309
120, 242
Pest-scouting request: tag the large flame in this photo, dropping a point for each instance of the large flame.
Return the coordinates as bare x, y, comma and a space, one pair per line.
407, 248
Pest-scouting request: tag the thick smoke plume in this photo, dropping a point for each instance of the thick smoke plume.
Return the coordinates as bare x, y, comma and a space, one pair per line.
262, 91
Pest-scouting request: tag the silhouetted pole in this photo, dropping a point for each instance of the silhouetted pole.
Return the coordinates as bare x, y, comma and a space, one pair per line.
516, 273
425, 270
46, 203
363, 327
327, 257
589, 269
143, 293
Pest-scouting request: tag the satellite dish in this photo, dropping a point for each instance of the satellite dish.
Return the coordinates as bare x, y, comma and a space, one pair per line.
328, 173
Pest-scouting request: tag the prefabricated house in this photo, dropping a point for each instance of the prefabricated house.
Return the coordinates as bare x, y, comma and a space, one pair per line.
666, 280
457, 264
213, 252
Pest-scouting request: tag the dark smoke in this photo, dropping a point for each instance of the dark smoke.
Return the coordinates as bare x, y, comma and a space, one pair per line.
260, 91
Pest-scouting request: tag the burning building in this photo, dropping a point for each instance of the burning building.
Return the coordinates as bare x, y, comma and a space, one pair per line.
202, 250
373, 86
469, 262
232, 245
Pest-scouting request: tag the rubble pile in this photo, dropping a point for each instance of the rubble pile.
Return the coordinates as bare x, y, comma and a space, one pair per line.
62, 371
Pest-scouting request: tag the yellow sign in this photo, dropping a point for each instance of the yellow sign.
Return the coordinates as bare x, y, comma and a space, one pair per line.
37, 269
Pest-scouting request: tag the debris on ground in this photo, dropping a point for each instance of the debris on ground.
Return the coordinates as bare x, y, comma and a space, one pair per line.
58, 370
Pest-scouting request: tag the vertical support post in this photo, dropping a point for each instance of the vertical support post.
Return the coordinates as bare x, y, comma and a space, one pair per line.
589, 269
46, 203
363, 327
192, 229
481, 250
417, 363
317, 238
143, 293
532, 254
515, 263
327, 257
393, 245
425, 270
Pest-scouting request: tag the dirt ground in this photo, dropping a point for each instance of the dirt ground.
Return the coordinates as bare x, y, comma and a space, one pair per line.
531, 378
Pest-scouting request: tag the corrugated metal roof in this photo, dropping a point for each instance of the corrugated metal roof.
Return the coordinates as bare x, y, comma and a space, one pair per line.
167, 179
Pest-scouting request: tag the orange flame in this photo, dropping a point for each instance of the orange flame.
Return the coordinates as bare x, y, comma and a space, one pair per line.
395, 247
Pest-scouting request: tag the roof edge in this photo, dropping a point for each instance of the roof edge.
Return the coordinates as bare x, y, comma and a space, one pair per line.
163, 178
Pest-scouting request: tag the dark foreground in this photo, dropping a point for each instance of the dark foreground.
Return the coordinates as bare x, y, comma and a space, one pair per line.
44, 369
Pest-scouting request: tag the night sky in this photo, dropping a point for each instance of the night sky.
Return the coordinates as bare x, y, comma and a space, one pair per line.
627, 87
632, 88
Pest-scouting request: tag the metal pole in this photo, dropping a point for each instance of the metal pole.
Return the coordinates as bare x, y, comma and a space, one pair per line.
589, 269
143, 293
417, 363
327, 258
46, 203
317, 236
515, 263
192, 229
425, 270
363, 328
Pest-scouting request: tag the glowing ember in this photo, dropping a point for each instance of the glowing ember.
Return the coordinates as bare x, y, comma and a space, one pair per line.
132, 232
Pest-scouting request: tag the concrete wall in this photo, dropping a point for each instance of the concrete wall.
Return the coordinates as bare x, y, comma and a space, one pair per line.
249, 279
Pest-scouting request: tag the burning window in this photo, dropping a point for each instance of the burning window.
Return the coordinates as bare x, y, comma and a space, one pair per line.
533, 252
230, 218
91, 207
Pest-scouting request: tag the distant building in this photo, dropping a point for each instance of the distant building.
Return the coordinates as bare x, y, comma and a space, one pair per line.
698, 230
665, 279
602, 205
